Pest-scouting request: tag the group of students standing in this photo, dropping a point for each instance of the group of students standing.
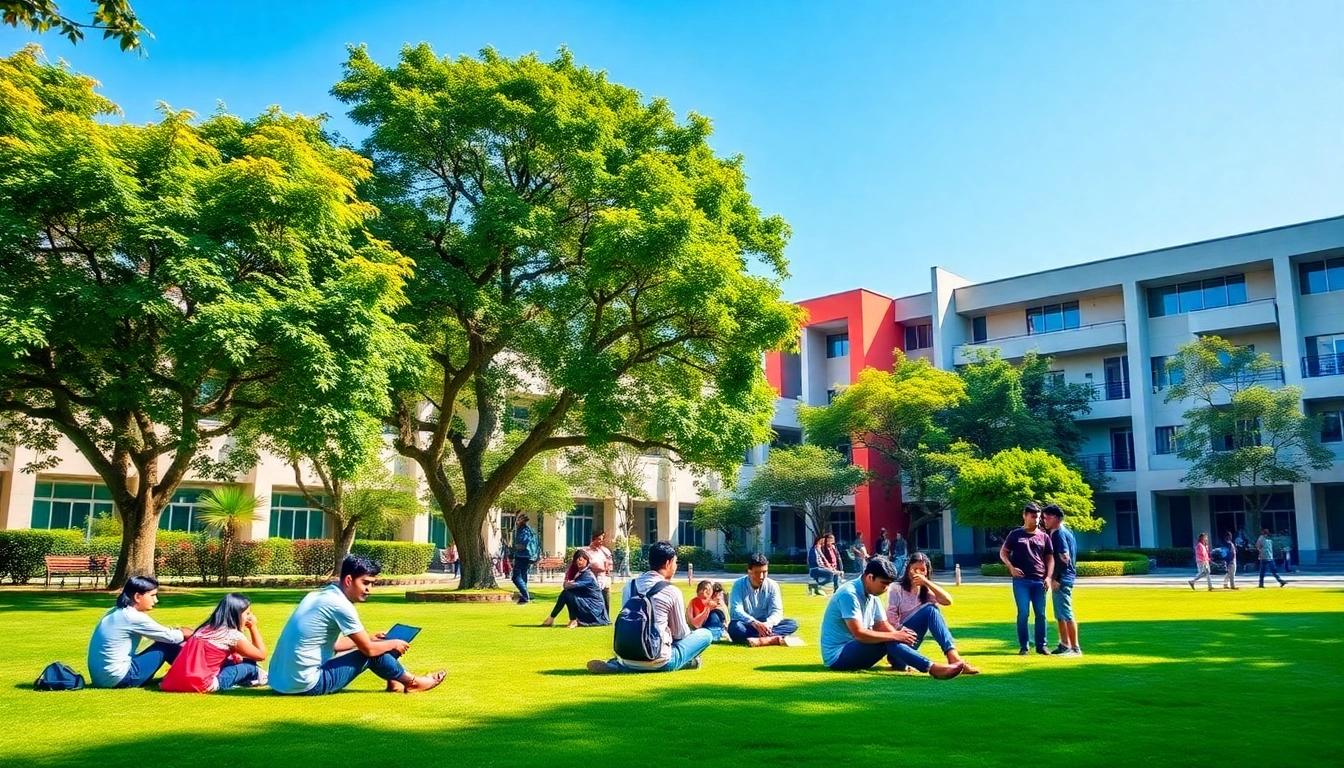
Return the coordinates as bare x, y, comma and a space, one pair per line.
1227, 555
322, 648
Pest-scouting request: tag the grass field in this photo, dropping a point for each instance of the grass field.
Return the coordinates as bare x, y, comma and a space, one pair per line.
1170, 677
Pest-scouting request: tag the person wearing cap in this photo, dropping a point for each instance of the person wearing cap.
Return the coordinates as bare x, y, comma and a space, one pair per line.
1061, 587
1029, 555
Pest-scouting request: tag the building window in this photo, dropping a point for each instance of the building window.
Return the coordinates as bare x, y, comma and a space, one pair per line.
791, 374
1196, 295
1247, 434
292, 517
1325, 355
1321, 276
1054, 380
520, 418
842, 525
508, 523
1332, 427
786, 436
918, 336
686, 532
979, 329
1163, 378
1053, 317
438, 532
830, 395
1276, 514
1127, 522
650, 525
928, 536
837, 345
579, 525
1166, 440
180, 514
69, 505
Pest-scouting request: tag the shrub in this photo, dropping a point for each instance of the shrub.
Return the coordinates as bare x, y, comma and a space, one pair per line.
398, 558
22, 550
1170, 557
105, 524
1112, 555
1084, 568
176, 558
697, 556
782, 568
313, 557
275, 557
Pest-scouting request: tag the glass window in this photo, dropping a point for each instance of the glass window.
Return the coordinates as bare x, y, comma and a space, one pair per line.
69, 505
791, 369
837, 345
1072, 316
918, 336
1162, 377
438, 531
1236, 289
1334, 274
1190, 298
842, 525
979, 329
579, 525
1162, 301
785, 436
1127, 529
1332, 427
650, 525
1036, 320
292, 517
686, 532
1053, 317
1311, 277
1054, 379
1215, 293
1166, 440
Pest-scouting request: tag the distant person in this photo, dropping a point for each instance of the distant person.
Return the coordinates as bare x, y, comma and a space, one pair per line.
900, 554
708, 609
581, 595
1288, 554
324, 647
824, 562
883, 543
453, 560
756, 615
859, 551
1030, 557
526, 551
1264, 547
1230, 561
222, 653
1203, 561
677, 646
114, 658
855, 633
1061, 587
914, 603
601, 562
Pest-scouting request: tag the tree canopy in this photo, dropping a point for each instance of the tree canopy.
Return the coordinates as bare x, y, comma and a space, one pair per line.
114, 17
731, 514
808, 478
170, 284
572, 240
990, 493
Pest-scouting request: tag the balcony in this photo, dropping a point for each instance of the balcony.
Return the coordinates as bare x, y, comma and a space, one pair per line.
1106, 463
1110, 400
1096, 336
1260, 314
1314, 366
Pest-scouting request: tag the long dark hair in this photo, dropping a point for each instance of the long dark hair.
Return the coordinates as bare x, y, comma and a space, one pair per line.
919, 558
573, 569
228, 614
136, 585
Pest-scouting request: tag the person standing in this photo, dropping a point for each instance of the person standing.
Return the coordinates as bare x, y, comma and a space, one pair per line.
1264, 548
859, 551
1203, 561
1230, 561
601, 562
1029, 555
883, 543
526, 550
899, 554
452, 559
1061, 588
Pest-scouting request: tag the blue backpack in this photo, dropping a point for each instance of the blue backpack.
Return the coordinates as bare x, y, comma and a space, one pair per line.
58, 677
637, 637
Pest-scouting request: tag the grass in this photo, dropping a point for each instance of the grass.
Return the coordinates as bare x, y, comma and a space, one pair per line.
1171, 677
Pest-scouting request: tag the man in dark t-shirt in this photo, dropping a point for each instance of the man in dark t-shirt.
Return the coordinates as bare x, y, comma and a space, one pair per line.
1029, 555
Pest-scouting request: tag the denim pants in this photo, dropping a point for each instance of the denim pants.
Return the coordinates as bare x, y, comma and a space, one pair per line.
145, 664
237, 673
928, 620
900, 562
823, 575
520, 568
1268, 565
740, 631
1204, 570
340, 671
856, 656
1029, 594
683, 650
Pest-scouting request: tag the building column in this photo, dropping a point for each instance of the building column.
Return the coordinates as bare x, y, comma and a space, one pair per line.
551, 529
1147, 512
16, 501
1289, 339
668, 506
1304, 509
1140, 401
260, 486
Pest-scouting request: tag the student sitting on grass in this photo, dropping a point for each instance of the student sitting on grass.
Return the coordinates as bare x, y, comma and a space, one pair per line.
708, 608
855, 635
222, 653
324, 647
913, 603
113, 660
581, 595
758, 609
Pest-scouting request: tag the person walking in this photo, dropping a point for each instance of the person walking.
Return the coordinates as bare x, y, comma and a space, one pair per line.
526, 549
1030, 557
1230, 561
1203, 561
1264, 547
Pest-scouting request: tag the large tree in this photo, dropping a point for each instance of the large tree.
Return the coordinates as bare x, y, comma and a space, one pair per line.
1238, 431
163, 285
809, 478
372, 498
114, 18
990, 493
1010, 406
574, 240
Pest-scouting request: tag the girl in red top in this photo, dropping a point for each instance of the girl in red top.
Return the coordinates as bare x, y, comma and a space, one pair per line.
709, 608
222, 653
1203, 565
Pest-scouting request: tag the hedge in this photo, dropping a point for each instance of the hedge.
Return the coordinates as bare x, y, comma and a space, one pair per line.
398, 558
1084, 568
1170, 557
1112, 555
22, 550
782, 568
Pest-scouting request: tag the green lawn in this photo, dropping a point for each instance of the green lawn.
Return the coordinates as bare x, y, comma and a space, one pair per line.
1171, 677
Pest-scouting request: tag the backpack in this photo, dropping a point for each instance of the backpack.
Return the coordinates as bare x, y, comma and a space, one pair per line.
58, 677
636, 637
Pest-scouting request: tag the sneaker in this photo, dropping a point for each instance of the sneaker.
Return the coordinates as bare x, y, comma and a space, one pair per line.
1023, 652
1192, 585
1065, 652
262, 680
1059, 649
1075, 651
1043, 651
794, 642
600, 667
692, 664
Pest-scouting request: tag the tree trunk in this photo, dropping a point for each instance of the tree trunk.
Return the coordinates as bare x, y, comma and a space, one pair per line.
140, 528
343, 538
467, 524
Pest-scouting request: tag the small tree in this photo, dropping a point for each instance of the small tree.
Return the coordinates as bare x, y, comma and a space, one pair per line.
990, 493
372, 497
730, 514
1238, 431
227, 512
612, 472
806, 477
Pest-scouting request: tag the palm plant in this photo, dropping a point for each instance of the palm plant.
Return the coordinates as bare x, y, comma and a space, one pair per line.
227, 511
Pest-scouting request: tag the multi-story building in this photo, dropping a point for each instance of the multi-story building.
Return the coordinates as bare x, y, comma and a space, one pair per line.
1110, 324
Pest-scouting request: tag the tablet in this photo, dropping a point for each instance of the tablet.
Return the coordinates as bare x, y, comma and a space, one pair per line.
402, 632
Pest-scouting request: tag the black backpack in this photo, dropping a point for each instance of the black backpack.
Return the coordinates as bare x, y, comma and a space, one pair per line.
637, 637
58, 677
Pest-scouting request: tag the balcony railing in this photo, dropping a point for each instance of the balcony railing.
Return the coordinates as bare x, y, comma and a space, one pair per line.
1039, 334
1323, 365
1106, 463
1111, 390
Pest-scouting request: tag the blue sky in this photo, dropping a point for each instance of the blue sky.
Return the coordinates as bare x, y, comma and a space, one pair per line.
989, 138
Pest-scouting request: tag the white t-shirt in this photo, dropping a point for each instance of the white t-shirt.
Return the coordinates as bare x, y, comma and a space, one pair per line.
309, 639
599, 560
669, 615
116, 640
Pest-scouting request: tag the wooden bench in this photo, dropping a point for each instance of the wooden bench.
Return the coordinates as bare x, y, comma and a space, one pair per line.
550, 565
79, 566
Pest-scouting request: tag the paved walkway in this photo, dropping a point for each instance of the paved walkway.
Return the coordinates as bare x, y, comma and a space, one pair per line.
1162, 577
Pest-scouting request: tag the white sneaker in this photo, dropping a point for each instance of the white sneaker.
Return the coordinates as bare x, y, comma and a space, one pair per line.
793, 641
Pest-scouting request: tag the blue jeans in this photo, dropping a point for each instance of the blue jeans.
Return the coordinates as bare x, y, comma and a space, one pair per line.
928, 620
1029, 594
340, 671
237, 673
683, 650
900, 562
145, 664
1268, 564
714, 622
741, 631
856, 656
823, 575
520, 568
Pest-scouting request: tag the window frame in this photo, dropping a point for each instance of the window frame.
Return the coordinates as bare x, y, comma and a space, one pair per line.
1053, 318
837, 345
